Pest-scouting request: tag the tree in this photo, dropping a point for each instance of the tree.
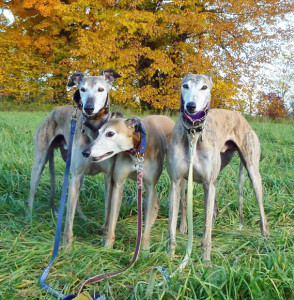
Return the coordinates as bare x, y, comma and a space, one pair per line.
272, 106
151, 43
291, 110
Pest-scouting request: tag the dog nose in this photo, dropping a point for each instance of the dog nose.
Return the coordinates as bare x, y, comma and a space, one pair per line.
86, 152
89, 109
191, 107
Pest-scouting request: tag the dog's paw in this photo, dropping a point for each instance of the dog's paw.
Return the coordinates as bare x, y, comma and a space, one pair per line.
28, 217
67, 247
108, 243
183, 228
146, 244
67, 242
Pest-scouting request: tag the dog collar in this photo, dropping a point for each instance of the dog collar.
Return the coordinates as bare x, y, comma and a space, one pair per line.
195, 121
92, 127
140, 147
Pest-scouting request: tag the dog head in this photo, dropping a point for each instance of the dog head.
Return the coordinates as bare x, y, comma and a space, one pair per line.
93, 90
117, 135
195, 92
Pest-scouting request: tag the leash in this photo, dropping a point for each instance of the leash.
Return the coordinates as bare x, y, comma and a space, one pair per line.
45, 273
140, 159
162, 270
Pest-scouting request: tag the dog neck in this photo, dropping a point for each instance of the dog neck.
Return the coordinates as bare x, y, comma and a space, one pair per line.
139, 141
95, 124
137, 144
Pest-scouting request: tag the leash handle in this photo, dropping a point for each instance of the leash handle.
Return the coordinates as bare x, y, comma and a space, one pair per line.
98, 278
45, 273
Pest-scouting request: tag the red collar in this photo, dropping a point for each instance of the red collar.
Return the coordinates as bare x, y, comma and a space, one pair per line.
134, 150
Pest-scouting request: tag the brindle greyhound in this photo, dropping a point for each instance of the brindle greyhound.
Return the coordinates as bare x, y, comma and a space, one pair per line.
93, 100
121, 137
216, 139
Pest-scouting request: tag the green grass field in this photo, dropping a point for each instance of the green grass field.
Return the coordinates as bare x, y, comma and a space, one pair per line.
244, 266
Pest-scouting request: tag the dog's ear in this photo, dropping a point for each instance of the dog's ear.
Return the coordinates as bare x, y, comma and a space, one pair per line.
109, 75
134, 122
77, 97
75, 79
209, 77
116, 114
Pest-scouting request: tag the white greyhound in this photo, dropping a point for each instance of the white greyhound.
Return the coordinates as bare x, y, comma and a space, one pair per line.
219, 133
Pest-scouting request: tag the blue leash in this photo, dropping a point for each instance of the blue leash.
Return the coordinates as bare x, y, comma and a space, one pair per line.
45, 273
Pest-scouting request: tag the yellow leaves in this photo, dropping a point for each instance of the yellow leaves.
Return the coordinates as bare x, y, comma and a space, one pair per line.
44, 7
43, 44
152, 43
223, 94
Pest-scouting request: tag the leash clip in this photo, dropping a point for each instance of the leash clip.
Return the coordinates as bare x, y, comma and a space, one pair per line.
192, 133
140, 160
74, 113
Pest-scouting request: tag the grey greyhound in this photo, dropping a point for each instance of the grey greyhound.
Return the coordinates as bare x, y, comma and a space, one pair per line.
93, 98
218, 136
120, 136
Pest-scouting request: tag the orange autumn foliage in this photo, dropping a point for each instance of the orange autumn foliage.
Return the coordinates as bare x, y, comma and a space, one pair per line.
271, 105
152, 44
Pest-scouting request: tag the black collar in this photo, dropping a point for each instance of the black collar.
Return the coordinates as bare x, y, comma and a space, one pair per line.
92, 127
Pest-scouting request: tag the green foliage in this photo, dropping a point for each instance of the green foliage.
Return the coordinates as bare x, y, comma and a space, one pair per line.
244, 266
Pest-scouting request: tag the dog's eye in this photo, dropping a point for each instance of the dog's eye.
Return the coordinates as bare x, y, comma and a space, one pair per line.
185, 86
83, 89
110, 134
204, 87
100, 89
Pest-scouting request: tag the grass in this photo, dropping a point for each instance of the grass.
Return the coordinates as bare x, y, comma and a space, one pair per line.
243, 266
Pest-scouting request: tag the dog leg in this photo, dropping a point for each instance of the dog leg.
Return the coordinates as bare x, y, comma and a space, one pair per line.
80, 211
108, 185
37, 170
250, 153
79, 208
215, 210
209, 191
73, 196
241, 188
257, 186
151, 210
183, 225
174, 201
115, 205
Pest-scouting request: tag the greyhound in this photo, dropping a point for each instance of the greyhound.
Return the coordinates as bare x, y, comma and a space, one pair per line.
92, 98
219, 133
121, 137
